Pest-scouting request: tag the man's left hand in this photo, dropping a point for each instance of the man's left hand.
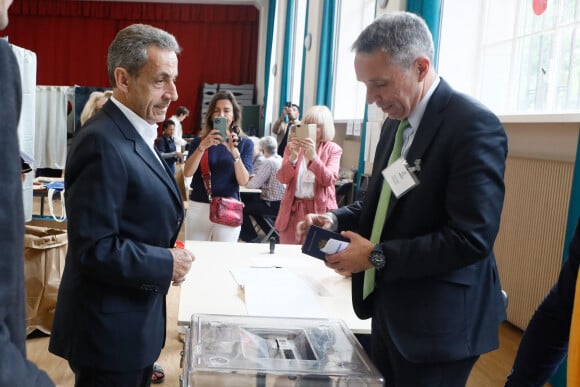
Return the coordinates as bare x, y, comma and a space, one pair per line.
354, 258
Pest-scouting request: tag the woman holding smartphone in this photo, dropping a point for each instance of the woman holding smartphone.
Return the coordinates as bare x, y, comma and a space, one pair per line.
230, 155
309, 170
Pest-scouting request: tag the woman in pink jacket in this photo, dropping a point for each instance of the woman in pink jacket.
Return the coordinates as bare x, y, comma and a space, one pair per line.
309, 171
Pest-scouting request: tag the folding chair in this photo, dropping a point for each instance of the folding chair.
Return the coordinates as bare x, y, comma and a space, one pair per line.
270, 220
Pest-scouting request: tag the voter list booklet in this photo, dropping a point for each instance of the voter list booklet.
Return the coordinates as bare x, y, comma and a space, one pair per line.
320, 241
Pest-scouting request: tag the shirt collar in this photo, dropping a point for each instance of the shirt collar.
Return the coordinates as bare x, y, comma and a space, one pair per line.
146, 130
417, 114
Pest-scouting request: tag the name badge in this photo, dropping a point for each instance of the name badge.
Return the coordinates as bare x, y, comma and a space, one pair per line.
400, 177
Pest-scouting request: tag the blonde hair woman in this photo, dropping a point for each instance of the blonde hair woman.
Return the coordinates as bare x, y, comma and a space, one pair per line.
95, 102
309, 170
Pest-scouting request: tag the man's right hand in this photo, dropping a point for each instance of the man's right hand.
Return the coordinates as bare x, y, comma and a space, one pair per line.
182, 260
320, 220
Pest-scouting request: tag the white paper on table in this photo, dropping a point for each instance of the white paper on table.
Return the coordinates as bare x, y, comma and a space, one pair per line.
277, 292
334, 246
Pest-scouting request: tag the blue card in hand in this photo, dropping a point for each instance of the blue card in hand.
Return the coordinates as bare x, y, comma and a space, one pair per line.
318, 238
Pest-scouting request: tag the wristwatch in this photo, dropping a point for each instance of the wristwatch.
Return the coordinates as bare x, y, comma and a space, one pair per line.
377, 258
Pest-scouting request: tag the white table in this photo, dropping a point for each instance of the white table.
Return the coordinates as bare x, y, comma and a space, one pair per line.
210, 287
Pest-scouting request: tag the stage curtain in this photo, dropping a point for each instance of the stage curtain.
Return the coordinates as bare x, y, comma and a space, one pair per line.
71, 38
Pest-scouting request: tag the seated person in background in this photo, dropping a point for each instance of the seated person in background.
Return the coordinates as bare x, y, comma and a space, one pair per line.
309, 170
546, 340
281, 127
165, 145
272, 191
95, 102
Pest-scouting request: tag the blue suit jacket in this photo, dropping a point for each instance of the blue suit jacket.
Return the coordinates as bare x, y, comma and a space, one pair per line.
124, 212
15, 370
440, 288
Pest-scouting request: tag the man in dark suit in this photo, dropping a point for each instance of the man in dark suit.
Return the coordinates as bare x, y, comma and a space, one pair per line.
124, 214
545, 342
15, 369
436, 298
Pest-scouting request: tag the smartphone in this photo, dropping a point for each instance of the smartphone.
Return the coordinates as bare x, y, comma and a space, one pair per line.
306, 131
288, 104
220, 123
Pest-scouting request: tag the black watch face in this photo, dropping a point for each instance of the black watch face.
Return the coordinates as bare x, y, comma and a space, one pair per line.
377, 259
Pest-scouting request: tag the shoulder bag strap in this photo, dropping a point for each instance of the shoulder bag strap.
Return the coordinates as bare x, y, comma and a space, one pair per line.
62, 217
206, 174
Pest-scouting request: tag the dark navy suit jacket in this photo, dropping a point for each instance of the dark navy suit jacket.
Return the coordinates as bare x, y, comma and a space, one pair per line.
15, 370
124, 212
440, 290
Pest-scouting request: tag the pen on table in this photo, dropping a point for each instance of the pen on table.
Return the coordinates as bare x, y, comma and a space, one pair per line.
266, 267
242, 291
241, 287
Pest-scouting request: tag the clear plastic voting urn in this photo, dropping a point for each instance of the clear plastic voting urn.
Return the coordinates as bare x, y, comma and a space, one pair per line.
233, 351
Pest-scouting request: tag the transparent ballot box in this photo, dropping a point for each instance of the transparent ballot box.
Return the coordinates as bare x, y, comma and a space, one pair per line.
228, 351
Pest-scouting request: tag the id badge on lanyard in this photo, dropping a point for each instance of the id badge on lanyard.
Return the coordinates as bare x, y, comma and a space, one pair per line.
400, 177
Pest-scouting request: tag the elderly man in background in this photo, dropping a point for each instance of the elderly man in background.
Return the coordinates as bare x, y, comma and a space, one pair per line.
272, 191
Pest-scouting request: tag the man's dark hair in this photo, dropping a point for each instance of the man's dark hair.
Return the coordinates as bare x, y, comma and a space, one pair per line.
181, 110
166, 124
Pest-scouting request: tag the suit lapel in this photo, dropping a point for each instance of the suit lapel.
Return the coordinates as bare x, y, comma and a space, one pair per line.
382, 155
141, 149
430, 123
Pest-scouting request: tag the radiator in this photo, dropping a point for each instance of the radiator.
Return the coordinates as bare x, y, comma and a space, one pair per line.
532, 230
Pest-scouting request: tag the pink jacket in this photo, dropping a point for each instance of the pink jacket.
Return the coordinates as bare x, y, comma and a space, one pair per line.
325, 168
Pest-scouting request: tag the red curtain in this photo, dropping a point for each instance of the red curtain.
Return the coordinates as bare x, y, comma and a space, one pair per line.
71, 38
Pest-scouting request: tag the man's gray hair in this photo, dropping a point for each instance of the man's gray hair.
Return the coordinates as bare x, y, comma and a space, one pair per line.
269, 144
404, 36
129, 48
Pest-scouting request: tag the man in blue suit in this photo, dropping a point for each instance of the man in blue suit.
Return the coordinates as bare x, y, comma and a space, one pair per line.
15, 369
124, 213
436, 298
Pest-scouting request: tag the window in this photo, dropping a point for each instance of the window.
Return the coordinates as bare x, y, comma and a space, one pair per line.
298, 51
522, 63
349, 94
